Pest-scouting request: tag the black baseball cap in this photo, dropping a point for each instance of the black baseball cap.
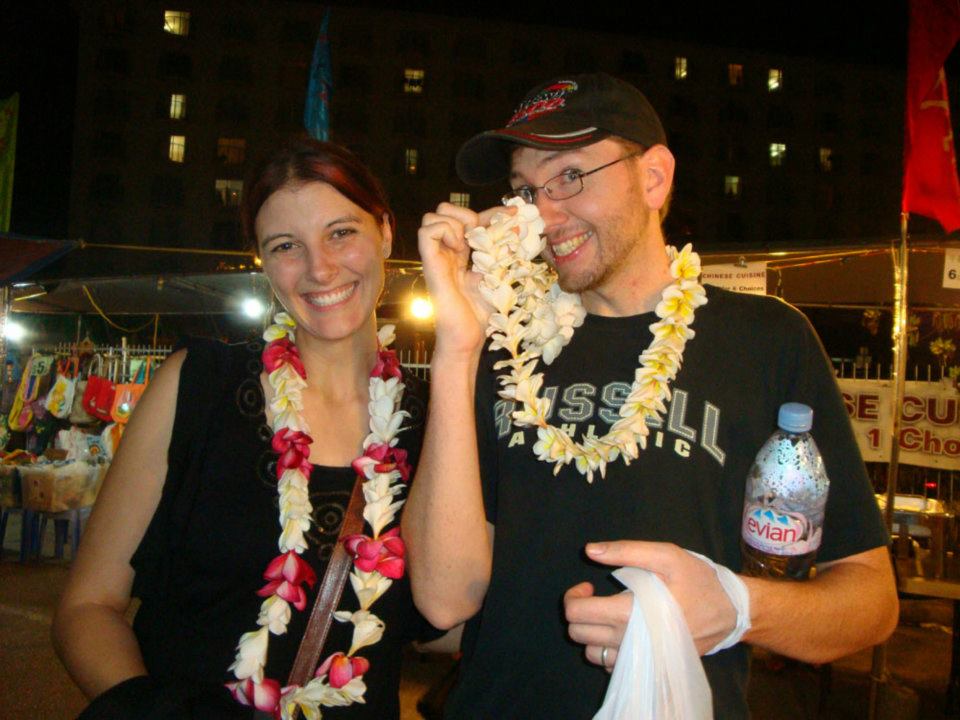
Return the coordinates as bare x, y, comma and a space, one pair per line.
564, 113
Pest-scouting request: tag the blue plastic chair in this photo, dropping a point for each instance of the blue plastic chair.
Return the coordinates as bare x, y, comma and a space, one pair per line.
29, 531
68, 523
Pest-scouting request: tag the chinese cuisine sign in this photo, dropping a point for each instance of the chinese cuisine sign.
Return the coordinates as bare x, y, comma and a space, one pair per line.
748, 278
929, 422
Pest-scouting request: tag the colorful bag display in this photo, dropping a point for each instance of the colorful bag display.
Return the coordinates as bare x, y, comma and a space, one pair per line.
124, 400
98, 397
79, 416
59, 400
128, 394
21, 413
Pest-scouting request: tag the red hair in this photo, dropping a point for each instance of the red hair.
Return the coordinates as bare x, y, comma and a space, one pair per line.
305, 160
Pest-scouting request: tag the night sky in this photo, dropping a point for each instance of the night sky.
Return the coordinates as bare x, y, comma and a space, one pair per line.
38, 60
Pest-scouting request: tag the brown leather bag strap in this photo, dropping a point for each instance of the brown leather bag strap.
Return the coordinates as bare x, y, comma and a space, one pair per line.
328, 594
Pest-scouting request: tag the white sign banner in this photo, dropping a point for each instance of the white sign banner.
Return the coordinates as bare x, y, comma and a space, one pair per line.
745, 278
951, 268
929, 421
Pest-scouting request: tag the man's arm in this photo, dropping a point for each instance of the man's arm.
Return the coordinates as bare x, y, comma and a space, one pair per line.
449, 540
849, 605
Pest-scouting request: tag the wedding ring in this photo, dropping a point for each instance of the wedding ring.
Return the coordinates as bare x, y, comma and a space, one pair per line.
603, 656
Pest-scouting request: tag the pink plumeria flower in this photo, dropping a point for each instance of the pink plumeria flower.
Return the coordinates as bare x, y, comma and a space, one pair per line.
341, 669
286, 574
263, 696
385, 554
281, 352
388, 365
382, 458
293, 448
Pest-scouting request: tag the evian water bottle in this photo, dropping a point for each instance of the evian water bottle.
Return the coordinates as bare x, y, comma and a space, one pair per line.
785, 500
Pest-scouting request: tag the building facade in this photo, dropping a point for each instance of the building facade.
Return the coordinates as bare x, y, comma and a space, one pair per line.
176, 100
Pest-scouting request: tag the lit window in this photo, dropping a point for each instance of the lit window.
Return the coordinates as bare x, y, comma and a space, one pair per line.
178, 106
176, 22
735, 74
178, 146
731, 186
778, 152
231, 151
460, 198
680, 68
413, 81
229, 192
826, 159
774, 79
412, 157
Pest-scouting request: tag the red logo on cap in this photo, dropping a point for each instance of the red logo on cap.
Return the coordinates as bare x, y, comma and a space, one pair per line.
550, 99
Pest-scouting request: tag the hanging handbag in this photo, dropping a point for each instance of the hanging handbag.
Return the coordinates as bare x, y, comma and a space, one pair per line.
98, 397
79, 416
21, 413
127, 394
60, 398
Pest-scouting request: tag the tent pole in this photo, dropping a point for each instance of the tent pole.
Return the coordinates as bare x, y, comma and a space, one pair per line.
899, 370
901, 262
4, 315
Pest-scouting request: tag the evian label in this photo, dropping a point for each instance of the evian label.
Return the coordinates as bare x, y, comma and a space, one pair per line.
770, 531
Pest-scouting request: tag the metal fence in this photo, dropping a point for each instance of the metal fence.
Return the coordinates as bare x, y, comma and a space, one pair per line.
416, 361
943, 485
868, 370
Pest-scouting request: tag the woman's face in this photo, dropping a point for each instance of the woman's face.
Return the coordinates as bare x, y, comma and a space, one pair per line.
324, 257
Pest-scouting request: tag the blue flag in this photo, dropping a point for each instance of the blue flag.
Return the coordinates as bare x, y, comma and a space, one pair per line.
316, 111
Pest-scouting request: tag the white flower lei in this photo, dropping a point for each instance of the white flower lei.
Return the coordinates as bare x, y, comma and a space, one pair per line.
534, 318
339, 679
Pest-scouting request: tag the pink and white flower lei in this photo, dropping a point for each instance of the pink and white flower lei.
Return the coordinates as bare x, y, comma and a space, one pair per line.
378, 559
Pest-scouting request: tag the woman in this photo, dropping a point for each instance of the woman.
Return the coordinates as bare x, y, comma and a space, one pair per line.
191, 512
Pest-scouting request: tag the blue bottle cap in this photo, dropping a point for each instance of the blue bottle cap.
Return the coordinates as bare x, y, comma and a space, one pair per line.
795, 417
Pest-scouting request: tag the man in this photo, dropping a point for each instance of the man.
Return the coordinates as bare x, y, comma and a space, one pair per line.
495, 538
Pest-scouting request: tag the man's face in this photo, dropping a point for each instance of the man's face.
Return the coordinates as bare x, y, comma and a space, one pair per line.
593, 238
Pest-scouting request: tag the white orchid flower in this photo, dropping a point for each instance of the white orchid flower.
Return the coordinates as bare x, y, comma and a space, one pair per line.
381, 513
274, 614
386, 335
367, 628
251, 655
368, 586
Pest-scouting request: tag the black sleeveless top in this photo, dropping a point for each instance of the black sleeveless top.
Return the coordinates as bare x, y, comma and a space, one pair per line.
216, 528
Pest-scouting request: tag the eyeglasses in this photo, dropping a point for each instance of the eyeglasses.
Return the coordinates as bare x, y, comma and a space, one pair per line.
562, 186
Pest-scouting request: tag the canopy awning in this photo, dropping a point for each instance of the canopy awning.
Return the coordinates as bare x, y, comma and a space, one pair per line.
21, 256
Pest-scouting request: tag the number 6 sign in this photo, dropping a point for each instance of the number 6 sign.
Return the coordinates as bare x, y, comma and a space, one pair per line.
951, 268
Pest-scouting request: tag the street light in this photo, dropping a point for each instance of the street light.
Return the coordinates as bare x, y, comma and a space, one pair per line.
421, 308
14, 331
252, 308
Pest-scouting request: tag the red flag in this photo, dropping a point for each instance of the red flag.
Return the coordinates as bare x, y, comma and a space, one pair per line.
930, 185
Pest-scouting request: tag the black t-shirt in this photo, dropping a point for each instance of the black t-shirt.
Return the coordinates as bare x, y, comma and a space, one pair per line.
216, 529
749, 356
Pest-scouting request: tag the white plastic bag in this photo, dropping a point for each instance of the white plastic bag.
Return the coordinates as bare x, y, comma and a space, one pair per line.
658, 675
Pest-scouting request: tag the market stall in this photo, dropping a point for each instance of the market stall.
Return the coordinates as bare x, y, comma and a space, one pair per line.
64, 397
